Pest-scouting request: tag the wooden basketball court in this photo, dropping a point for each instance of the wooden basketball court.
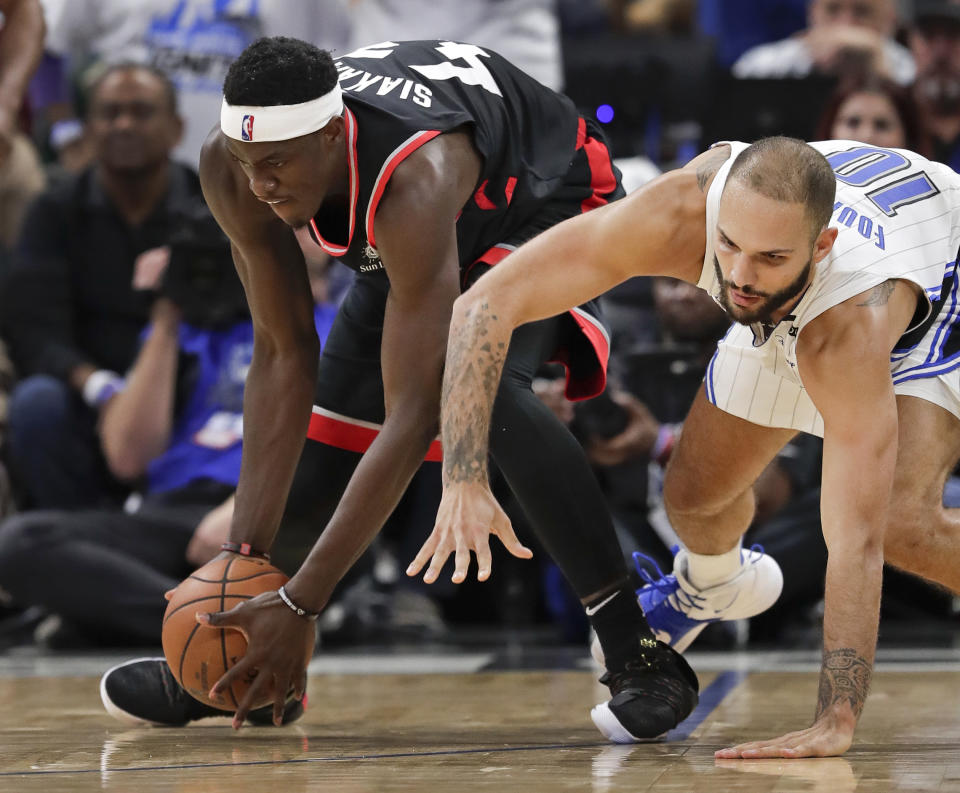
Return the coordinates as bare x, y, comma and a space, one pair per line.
452, 722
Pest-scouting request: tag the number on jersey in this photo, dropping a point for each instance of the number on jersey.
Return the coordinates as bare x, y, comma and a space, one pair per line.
474, 73
864, 165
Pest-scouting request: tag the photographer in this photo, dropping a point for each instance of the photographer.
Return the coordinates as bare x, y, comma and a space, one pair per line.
173, 430
69, 313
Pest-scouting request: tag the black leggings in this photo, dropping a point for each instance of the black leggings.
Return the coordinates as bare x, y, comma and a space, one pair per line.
105, 570
541, 461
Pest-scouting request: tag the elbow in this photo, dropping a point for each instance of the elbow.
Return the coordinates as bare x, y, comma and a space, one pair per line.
300, 350
128, 453
418, 419
466, 304
126, 469
129, 449
309, 343
429, 426
482, 304
308, 353
124, 463
427, 431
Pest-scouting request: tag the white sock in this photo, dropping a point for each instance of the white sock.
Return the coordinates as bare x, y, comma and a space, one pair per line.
706, 570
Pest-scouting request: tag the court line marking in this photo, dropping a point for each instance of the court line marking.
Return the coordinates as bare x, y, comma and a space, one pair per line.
710, 698
29, 665
301, 760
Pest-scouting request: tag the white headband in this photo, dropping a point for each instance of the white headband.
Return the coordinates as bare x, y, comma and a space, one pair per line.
279, 122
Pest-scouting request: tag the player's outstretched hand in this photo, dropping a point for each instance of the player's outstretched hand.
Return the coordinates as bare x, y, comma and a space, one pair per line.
279, 646
828, 737
468, 515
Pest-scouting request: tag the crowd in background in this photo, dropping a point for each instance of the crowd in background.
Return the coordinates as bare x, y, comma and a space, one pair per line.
126, 340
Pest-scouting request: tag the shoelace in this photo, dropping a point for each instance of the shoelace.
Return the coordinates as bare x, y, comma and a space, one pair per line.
757, 549
638, 560
677, 596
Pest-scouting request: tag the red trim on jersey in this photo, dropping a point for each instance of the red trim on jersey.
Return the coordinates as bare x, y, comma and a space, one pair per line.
581, 132
332, 248
495, 255
399, 154
343, 433
586, 389
602, 179
480, 197
508, 190
578, 390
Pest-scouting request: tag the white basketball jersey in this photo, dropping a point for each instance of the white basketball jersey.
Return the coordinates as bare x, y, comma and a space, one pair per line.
898, 216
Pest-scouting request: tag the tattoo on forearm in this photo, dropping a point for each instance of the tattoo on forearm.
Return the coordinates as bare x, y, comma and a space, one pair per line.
707, 169
844, 677
474, 365
879, 295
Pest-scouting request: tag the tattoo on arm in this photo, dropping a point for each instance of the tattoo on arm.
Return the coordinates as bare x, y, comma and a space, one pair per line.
474, 365
880, 294
844, 677
707, 169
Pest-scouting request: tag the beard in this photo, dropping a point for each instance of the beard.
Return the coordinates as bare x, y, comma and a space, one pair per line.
774, 300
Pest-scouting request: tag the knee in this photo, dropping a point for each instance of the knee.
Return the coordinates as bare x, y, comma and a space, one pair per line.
910, 525
686, 497
22, 540
39, 404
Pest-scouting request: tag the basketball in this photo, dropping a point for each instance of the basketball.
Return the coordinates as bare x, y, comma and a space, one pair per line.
199, 655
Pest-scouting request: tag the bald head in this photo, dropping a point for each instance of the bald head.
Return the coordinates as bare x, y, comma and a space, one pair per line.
790, 171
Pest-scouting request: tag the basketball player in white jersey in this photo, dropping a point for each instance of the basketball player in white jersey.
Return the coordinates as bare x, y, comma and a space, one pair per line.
838, 263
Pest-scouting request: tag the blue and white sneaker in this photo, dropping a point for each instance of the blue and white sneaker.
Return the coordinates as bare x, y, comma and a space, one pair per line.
677, 611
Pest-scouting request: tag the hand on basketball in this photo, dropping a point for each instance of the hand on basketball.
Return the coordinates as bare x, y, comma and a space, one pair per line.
828, 737
279, 646
468, 515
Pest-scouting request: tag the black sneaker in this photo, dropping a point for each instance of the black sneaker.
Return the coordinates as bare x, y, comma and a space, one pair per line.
652, 693
145, 692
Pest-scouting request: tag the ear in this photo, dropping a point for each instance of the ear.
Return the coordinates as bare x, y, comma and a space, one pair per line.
333, 131
824, 243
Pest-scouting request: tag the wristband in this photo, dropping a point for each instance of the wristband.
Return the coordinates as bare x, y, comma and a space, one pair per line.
307, 615
244, 549
100, 386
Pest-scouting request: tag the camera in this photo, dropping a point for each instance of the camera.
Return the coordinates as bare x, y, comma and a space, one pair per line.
598, 417
201, 278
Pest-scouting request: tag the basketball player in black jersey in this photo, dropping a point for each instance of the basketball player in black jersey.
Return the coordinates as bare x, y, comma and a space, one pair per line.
420, 165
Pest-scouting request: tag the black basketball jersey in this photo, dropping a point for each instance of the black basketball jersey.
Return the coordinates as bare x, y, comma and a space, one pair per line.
398, 96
